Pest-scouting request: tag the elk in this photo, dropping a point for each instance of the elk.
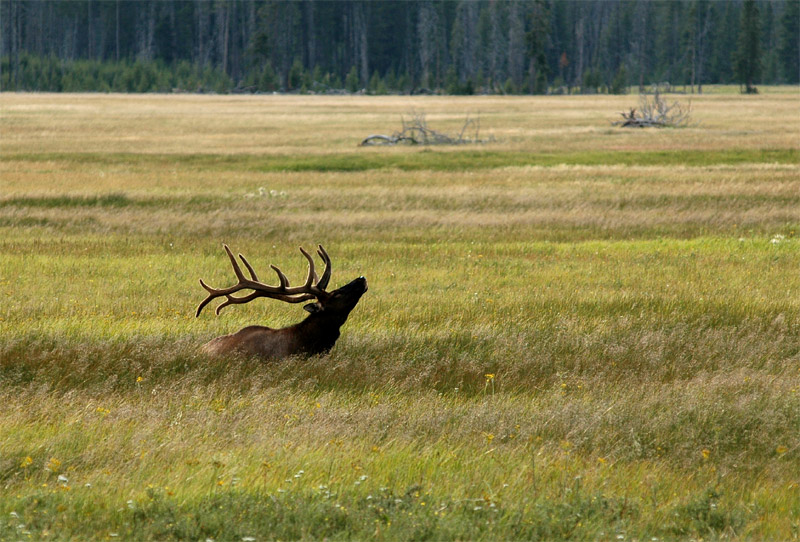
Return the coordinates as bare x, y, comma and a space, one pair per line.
315, 335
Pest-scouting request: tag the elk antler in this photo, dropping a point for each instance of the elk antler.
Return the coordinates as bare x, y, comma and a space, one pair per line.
314, 287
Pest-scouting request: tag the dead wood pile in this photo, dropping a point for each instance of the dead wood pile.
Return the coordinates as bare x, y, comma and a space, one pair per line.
416, 131
655, 112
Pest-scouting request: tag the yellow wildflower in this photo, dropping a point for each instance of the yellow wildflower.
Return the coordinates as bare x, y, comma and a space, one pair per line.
53, 465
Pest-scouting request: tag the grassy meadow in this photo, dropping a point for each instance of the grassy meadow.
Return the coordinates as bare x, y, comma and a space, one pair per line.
575, 331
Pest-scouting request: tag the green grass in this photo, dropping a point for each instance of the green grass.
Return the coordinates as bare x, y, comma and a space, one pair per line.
581, 345
432, 159
110, 200
387, 515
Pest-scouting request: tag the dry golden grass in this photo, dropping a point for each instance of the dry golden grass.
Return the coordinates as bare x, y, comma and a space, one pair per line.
521, 202
44, 123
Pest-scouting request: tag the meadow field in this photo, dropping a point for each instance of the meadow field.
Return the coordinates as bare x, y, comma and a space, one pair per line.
575, 331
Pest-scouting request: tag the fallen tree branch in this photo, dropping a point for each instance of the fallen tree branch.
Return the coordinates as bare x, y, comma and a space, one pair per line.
379, 139
416, 131
655, 113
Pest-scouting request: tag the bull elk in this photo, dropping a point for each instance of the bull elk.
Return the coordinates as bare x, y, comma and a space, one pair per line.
315, 335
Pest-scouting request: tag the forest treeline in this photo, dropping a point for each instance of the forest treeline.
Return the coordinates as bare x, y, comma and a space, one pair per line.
456, 47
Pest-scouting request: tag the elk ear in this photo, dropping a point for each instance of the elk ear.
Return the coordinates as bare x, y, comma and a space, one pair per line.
313, 308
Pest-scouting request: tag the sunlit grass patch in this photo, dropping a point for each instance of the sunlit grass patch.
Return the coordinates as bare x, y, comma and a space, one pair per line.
424, 159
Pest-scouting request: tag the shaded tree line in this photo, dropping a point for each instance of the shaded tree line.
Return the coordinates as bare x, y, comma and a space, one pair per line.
495, 46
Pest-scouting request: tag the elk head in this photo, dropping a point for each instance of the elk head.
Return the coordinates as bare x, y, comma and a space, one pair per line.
314, 335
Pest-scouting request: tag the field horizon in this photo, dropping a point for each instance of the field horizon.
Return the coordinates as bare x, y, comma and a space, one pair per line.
575, 331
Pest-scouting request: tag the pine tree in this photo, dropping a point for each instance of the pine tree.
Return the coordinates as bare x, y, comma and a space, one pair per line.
747, 59
351, 83
789, 48
537, 38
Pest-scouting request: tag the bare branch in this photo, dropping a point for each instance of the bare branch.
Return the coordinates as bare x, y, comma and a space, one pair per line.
656, 112
416, 131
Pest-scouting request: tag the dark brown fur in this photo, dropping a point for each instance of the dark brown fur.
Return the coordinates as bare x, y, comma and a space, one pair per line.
315, 335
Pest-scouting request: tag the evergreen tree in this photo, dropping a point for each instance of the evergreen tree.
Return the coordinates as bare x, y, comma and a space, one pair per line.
747, 59
671, 17
464, 39
351, 83
769, 58
620, 83
789, 48
696, 41
537, 39
726, 24
297, 77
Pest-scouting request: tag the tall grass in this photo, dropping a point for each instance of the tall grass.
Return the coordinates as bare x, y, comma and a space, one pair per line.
591, 348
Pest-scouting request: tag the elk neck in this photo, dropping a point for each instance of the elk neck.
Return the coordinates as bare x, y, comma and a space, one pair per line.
319, 331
